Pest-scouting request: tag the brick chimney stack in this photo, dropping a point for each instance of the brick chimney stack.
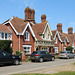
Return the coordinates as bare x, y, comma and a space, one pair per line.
59, 27
43, 18
33, 15
29, 15
70, 30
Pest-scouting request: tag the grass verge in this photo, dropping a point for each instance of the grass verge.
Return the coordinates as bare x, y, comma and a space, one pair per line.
74, 63
60, 73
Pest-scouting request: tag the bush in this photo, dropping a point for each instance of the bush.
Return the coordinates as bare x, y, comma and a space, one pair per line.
69, 48
5, 45
28, 59
18, 53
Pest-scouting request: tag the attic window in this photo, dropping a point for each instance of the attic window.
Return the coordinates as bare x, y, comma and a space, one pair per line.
48, 36
43, 36
26, 36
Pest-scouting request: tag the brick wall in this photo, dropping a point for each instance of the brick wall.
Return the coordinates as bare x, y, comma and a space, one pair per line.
15, 39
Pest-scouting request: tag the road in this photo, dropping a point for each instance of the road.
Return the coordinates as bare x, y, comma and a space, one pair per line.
32, 66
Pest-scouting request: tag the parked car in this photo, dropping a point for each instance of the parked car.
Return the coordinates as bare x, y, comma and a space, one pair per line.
6, 57
41, 56
66, 54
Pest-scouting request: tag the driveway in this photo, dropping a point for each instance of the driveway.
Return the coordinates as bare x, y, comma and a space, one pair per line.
27, 67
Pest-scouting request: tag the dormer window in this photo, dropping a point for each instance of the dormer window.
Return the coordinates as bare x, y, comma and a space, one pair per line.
26, 36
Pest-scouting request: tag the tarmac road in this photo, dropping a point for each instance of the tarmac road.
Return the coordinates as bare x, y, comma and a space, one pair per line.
27, 67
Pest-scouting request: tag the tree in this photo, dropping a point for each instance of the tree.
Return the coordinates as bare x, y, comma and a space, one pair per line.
69, 48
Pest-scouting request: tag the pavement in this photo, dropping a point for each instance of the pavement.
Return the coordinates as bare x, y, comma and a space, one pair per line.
35, 67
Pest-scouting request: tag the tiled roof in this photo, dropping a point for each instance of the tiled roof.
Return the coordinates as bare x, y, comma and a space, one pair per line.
18, 24
54, 32
71, 37
39, 27
3, 28
62, 36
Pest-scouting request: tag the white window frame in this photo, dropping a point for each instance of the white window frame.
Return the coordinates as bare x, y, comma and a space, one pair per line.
27, 36
43, 36
27, 49
56, 49
3, 37
64, 48
6, 36
44, 49
48, 36
9, 36
55, 40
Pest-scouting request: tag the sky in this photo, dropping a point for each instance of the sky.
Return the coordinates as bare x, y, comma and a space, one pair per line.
57, 11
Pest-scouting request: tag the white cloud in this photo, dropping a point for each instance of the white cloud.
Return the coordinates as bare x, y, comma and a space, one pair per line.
29, 3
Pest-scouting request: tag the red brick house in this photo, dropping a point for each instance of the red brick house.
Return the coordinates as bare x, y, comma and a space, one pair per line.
27, 35
71, 38
62, 40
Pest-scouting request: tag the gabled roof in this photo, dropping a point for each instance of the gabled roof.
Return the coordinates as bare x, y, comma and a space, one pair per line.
20, 25
61, 36
54, 32
71, 38
39, 27
4, 28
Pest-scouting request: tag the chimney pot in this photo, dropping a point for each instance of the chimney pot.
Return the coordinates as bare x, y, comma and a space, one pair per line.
43, 18
70, 30
29, 15
59, 27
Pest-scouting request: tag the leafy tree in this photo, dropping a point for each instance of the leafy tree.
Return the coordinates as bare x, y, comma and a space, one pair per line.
69, 48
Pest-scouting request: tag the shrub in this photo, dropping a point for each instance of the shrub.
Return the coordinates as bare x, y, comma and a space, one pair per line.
5, 45
18, 53
28, 59
69, 48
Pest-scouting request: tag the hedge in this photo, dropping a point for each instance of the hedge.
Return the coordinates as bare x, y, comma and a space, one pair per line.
5, 45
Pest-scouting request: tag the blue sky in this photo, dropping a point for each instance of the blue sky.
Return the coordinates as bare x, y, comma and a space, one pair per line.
57, 11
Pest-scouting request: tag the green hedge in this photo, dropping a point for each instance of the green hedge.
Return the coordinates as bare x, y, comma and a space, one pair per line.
5, 45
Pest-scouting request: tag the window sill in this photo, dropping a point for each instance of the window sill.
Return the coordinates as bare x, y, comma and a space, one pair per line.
27, 40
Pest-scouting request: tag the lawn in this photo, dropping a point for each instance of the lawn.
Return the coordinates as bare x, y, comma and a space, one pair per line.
60, 73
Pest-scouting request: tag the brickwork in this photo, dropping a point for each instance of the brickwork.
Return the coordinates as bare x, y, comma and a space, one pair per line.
15, 40
43, 18
30, 42
30, 15
70, 30
59, 27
